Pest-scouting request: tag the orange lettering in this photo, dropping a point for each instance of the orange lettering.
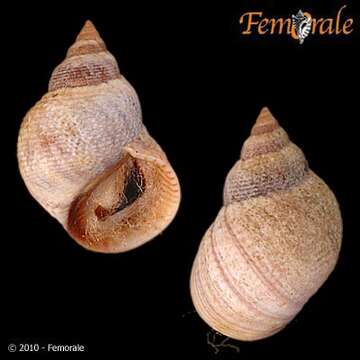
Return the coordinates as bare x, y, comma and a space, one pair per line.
262, 26
265, 25
315, 23
348, 23
250, 21
338, 30
326, 27
281, 22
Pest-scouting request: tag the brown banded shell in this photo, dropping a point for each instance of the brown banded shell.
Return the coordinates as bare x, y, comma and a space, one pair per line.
274, 242
87, 158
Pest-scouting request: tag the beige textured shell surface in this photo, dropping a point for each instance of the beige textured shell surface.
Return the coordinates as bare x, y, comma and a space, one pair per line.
86, 157
274, 242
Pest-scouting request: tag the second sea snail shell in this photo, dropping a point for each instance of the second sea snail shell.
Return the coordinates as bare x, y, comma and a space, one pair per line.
274, 242
87, 158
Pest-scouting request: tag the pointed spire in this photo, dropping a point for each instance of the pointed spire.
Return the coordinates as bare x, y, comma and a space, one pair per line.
269, 140
264, 116
87, 42
87, 62
88, 32
265, 122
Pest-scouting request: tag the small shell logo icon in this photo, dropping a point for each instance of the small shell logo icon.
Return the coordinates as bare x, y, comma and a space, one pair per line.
301, 26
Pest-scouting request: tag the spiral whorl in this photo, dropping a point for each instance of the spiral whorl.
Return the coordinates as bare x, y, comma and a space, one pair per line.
87, 62
269, 161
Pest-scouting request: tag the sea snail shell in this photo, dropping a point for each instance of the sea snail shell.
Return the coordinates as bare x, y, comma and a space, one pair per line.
86, 157
274, 242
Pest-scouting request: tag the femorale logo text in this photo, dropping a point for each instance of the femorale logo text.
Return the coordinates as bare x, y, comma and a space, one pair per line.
299, 26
